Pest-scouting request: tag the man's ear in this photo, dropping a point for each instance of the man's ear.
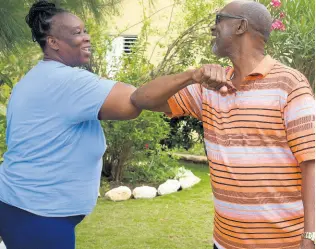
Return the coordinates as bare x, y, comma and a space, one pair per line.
52, 43
242, 27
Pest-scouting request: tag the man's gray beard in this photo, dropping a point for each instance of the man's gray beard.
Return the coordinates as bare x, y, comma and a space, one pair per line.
215, 50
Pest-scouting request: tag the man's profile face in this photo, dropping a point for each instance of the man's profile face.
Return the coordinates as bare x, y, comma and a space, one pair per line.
222, 38
223, 31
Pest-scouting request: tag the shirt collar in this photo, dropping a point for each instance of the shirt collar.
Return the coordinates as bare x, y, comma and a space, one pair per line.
261, 71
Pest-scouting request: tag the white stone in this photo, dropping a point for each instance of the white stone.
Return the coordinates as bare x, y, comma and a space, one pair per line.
2, 245
182, 172
144, 192
121, 193
189, 181
168, 187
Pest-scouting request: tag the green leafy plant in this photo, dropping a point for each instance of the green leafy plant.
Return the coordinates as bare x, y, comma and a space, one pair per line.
155, 167
185, 132
293, 39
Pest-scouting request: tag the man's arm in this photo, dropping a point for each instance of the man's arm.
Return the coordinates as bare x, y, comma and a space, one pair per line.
299, 120
308, 196
126, 102
155, 94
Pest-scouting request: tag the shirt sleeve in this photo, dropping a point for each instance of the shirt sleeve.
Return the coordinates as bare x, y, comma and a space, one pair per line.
299, 120
187, 102
85, 93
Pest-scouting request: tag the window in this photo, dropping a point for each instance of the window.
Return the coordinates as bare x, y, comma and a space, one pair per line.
120, 45
129, 42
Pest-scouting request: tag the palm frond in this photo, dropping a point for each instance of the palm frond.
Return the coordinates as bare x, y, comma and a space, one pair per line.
14, 30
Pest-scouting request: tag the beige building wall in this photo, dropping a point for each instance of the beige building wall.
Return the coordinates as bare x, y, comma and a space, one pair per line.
131, 15
130, 21
159, 12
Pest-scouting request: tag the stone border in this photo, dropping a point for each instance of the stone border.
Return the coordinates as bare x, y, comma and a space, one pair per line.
184, 179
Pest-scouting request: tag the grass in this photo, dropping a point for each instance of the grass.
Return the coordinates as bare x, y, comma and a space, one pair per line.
197, 149
179, 220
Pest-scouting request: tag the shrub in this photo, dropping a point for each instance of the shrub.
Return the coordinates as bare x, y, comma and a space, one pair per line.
293, 39
156, 168
185, 132
130, 141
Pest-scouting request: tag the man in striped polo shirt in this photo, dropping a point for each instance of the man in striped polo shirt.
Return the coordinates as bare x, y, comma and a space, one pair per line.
259, 137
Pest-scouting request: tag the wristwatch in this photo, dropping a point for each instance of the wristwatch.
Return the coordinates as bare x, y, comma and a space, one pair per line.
309, 235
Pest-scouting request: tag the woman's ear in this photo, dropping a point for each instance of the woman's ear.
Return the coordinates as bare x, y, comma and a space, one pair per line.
242, 27
51, 42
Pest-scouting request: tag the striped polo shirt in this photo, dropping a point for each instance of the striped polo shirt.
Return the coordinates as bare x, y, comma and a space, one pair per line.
255, 140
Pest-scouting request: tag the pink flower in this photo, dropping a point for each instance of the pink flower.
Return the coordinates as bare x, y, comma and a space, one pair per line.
282, 15
278, 25
146, 146
276, 3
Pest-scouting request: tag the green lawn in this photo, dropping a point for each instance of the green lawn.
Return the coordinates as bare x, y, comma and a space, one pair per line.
180, 220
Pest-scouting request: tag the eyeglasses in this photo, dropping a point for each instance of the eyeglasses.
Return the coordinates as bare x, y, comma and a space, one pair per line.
220, 16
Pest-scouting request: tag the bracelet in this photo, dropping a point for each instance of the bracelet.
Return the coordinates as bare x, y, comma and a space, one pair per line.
309, 235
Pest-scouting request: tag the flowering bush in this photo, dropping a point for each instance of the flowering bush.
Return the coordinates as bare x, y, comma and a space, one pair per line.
292, 38
278, 15
278, 24
276, 3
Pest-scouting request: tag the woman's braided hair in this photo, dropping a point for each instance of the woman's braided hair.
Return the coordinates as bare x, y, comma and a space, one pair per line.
39, 20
